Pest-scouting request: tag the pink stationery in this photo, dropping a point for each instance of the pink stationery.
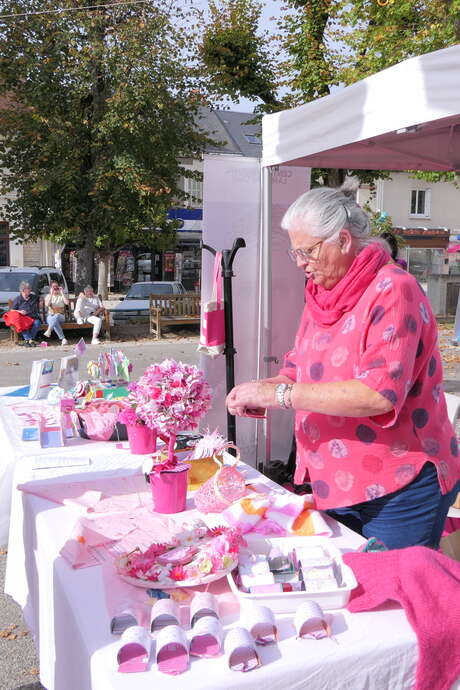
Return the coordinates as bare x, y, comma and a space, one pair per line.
172, 650
309, 621
260, 622
165, 612
241, 650
207, 637
203, 604
134, 653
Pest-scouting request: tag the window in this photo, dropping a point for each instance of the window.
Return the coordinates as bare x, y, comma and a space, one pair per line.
57, 278
194, 189
420, 203
252, 138
4, 244
43, 285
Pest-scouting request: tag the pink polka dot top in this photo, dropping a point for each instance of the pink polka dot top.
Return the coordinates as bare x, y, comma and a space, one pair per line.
388, 341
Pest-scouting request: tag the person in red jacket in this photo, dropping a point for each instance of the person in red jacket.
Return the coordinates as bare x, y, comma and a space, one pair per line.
27, 303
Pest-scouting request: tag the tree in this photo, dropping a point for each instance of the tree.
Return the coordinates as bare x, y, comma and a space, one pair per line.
102, 104
325, 44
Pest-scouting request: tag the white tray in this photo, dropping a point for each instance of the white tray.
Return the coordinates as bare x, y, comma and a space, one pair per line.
288, 602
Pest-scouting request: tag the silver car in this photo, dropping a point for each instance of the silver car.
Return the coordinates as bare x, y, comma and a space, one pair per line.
39, 277
136, 303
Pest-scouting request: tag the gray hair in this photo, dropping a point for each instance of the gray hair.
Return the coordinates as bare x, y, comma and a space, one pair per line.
323, 212
88, 287
23, 284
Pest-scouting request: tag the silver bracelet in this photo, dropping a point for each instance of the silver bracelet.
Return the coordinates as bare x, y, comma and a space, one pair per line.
280, 392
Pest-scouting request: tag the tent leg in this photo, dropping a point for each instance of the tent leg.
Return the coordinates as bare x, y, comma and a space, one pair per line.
265, 312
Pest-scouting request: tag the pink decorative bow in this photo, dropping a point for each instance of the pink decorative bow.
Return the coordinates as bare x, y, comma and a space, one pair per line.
169, 464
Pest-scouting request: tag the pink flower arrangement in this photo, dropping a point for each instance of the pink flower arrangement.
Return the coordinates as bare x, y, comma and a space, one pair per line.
215, 553
170, 397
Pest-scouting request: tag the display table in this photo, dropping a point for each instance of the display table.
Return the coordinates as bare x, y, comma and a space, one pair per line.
66, 612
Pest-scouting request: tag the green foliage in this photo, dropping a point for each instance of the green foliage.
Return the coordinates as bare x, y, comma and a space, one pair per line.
235, 55
323, 44
101, 106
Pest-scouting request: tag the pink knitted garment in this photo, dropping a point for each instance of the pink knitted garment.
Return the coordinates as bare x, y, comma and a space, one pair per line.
426, 584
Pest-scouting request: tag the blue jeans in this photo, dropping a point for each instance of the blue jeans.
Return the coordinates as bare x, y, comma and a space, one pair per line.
413, 515
54, 322
33, 330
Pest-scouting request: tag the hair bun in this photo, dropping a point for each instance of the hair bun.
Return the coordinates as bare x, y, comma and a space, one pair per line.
350, 187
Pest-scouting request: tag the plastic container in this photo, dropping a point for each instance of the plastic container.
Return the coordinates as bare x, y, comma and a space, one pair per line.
288, 602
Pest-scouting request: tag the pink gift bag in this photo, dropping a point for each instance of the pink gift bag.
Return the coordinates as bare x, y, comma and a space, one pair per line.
212, 336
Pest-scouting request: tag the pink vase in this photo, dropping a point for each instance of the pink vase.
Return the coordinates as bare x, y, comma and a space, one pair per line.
142, 439
169, 489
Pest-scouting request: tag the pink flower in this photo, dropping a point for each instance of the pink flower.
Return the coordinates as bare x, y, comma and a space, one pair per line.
178, 573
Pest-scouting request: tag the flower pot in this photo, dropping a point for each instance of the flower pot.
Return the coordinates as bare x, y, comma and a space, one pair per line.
142, 439
169, 489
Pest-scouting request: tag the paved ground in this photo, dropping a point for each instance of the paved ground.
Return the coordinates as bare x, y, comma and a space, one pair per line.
18, 661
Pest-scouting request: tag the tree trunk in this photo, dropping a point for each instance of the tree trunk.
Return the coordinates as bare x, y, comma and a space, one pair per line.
102, 275
85, 266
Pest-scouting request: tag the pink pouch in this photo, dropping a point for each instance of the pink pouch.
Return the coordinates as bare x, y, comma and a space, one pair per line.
212, 336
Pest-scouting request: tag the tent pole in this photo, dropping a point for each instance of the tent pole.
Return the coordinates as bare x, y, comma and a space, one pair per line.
265, 311
228, 256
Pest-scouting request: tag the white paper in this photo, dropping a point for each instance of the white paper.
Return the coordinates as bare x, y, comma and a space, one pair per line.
44, 462
164, 607
209, 625
203, 604
240, 639
172, 634
136, 634
260, 622
308, 611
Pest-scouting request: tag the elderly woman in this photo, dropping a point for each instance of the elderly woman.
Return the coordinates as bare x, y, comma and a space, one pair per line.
89, 308
365, 379
27, 303
56, 302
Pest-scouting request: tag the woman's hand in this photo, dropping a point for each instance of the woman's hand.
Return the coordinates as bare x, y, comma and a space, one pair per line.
253, 396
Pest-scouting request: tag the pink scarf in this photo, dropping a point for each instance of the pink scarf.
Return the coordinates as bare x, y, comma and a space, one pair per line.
328, 306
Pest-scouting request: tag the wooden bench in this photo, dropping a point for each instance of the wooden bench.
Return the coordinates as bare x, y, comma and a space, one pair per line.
70, 322
172, 310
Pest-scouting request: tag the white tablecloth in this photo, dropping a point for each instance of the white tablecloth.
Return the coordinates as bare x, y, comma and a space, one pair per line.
65, 609
12, 449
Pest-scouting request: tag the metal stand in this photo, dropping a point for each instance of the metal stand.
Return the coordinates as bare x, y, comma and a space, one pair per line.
227, 273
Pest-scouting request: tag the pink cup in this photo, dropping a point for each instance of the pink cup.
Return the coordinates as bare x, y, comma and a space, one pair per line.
169, 489
142, 439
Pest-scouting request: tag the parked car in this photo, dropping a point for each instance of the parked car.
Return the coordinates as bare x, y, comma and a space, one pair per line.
39, 278
136, 303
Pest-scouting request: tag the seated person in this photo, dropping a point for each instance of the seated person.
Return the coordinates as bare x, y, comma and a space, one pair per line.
27, 303
56, 302
89, 308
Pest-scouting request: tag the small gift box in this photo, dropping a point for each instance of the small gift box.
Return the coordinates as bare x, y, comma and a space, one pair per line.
309, 621
172, 650
203, 604
207, 636
165, 612
134, 653
241, 650
260, 622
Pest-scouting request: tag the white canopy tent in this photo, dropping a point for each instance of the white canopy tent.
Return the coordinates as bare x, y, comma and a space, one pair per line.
406, 117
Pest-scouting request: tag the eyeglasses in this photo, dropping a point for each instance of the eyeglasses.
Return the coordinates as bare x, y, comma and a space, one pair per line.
306, 254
